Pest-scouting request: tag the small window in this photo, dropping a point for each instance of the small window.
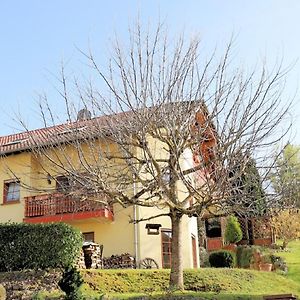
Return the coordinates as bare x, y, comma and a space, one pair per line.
166, 241
11, 191
89, 236
62, 184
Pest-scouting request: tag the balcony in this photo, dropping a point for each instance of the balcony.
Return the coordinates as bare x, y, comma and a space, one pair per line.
58, 207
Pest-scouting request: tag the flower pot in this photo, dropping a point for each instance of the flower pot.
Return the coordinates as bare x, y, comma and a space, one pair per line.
267, 267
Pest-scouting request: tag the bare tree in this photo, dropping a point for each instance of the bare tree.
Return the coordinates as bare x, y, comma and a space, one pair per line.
286, 225
164, 103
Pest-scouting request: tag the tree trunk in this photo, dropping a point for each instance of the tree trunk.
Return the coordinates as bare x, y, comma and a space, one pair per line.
176, 276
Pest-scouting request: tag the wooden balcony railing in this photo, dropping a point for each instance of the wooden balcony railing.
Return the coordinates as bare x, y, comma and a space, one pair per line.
59, 204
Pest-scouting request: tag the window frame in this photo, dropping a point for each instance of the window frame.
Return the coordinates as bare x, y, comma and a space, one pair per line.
6, 184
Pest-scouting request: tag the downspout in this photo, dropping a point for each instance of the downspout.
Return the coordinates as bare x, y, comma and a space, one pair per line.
135, 226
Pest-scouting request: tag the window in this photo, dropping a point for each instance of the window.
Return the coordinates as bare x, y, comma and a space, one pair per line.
62, 184
89, 236
213, 227
166, 240
11, 191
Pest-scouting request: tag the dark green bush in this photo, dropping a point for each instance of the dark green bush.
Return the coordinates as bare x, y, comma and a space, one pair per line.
233, 231
222, 259
70, 284
244, 256
38, 246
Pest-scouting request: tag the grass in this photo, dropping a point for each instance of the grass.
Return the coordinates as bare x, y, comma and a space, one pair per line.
292, 257
208, 283
182, 296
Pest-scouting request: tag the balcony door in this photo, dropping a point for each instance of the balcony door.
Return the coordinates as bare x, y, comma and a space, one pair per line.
166, 241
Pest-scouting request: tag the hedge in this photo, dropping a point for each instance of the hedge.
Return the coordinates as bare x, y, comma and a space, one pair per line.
38, 246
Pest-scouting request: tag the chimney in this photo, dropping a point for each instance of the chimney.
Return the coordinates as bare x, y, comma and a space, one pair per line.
84, 114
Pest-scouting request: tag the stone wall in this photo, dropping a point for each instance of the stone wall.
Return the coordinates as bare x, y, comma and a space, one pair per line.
24, 284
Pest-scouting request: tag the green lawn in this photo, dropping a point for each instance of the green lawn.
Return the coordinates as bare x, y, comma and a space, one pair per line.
208, 283
292, 257
204, 283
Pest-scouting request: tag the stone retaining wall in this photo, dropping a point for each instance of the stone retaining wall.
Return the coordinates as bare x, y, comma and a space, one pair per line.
23, 285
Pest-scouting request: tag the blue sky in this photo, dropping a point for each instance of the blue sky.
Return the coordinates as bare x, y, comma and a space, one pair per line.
37, 35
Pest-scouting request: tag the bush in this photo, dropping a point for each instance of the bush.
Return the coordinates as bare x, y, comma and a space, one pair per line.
244, 256
38, 246
203, 257
266, 259
233, 231
70, 284
279, 263
222, 259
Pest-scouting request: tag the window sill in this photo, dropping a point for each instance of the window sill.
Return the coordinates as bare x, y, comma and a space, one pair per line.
11, 202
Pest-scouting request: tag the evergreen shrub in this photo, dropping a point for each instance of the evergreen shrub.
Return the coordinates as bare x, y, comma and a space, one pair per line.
233, 231
38, 246
222, 259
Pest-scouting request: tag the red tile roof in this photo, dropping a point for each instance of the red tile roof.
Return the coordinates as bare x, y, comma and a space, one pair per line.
49, 135
64, 132
60, 133
24, 140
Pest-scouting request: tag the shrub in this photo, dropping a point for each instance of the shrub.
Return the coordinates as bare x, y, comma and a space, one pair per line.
38, 246
222, 259
203, 256
37, 296
266, 258
244, 256
70, 284
233, 231
279, 263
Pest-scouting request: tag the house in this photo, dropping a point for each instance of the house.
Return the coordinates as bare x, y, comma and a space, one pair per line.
256, 229
32, 193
